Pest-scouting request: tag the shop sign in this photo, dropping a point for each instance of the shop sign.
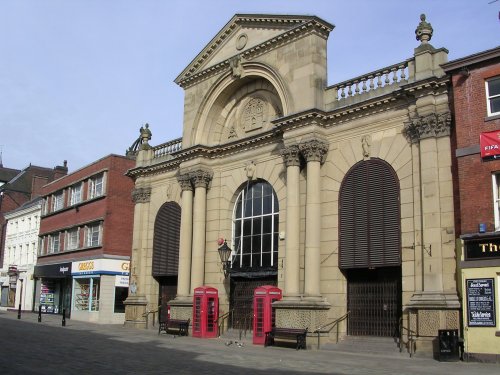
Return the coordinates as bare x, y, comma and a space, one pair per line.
101, 267
53, 270
490, 145
484, 248
121, 281
481, 302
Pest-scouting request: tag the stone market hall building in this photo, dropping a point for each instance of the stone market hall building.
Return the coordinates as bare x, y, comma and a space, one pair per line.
340, 195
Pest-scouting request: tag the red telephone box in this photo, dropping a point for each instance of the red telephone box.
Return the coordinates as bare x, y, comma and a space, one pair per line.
263, 313
205, 312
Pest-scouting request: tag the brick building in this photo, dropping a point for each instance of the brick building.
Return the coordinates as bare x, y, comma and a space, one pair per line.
18, 187
85, 242
476, 139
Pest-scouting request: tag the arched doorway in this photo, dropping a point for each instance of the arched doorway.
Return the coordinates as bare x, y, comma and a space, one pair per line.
166, 253
370, 247
254, 261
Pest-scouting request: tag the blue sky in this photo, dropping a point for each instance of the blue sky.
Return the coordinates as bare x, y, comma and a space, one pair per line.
78, 78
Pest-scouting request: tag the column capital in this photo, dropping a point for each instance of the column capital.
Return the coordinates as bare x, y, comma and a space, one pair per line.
291, 156
141, 195
185, 182
314, 150
201, 177
433, 125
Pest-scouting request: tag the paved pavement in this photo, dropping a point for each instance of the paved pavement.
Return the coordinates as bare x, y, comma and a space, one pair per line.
29, 347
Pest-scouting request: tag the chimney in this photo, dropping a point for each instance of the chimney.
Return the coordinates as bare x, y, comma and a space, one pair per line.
61, 171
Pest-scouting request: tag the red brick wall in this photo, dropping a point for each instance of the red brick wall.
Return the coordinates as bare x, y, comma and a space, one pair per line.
474, 175
115, 208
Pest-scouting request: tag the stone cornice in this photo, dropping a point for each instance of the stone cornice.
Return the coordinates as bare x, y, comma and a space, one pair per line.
305, 25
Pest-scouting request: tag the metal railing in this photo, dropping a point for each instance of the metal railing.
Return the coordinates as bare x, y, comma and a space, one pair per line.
222, 322
149, 312
327, 328
410, 344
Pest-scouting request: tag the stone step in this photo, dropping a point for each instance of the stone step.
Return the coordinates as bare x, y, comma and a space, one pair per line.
366, 345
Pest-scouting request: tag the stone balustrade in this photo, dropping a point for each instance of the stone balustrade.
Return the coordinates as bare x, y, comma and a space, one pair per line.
167, 148
369, 85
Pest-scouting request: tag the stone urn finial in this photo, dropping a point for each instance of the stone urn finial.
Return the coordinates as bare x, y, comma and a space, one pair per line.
424, 30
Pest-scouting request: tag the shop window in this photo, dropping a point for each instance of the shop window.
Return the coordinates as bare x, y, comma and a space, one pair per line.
93, 237
86, 294
76, 193
496, 199
493, 96
121, 294
255, 227
96, 186
72, 239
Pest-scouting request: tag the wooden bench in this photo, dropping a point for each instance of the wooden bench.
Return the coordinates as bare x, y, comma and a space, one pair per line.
180, 326
298, 334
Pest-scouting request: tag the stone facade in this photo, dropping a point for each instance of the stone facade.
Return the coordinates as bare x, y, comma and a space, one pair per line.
258, 108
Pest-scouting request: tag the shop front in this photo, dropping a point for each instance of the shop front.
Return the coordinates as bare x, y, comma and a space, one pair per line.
53, 288
99, 287
480, 278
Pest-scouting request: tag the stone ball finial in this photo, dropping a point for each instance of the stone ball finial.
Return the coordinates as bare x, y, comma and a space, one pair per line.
424, 30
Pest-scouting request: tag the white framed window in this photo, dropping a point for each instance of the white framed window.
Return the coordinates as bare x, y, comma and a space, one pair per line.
72, 239
76, 193
58, 201
93, 235
54, 243
493, 96
96, 186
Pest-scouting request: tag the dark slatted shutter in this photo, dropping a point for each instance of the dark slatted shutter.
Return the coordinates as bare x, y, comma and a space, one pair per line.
370, 216
166, 240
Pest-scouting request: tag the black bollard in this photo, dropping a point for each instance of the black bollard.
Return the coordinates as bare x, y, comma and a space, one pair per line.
64, 318
39, 313
19, 312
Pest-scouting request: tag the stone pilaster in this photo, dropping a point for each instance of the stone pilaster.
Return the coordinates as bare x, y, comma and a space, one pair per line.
200, 179
291, 157
185, 241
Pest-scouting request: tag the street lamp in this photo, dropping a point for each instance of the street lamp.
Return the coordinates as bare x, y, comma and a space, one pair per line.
224, 253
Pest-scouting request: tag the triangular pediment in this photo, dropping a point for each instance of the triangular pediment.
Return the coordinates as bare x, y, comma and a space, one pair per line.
245, 32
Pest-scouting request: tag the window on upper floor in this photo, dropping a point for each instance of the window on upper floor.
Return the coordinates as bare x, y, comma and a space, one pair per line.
496, 199
93, 235
58, 201
72, 239
76, 193
54, 243
96, 186
493, 96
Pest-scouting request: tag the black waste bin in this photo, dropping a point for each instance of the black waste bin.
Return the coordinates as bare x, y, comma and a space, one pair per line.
448, 345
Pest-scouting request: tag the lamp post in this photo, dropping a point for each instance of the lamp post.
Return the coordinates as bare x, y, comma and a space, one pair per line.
225, 253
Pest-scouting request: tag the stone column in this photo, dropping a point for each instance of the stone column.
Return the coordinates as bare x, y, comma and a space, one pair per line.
185, 241
200, 178
314, 152
291, 157
137, 301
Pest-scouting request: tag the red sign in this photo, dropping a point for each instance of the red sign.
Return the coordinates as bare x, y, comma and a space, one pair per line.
490, 144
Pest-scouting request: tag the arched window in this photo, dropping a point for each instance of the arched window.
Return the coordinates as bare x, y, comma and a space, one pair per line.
370, 229
166, 240
255, 228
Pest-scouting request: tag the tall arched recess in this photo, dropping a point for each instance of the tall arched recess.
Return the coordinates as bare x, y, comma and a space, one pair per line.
370, 247
166, 253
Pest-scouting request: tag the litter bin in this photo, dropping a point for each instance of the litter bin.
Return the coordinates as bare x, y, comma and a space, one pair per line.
448, 345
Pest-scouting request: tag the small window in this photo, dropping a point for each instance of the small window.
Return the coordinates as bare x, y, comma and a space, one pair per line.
54, 243
93, 235
72, 239
76, 194
493, 96
96, 186
58, 201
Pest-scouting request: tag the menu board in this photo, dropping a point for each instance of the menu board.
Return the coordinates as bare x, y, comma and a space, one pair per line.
481, 302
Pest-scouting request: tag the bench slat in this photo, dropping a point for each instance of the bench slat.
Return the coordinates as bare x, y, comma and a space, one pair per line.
298, 334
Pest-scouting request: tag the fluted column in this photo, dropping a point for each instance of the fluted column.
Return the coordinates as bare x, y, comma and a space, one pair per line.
291, 157
201, 179
186, 236
314, 153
